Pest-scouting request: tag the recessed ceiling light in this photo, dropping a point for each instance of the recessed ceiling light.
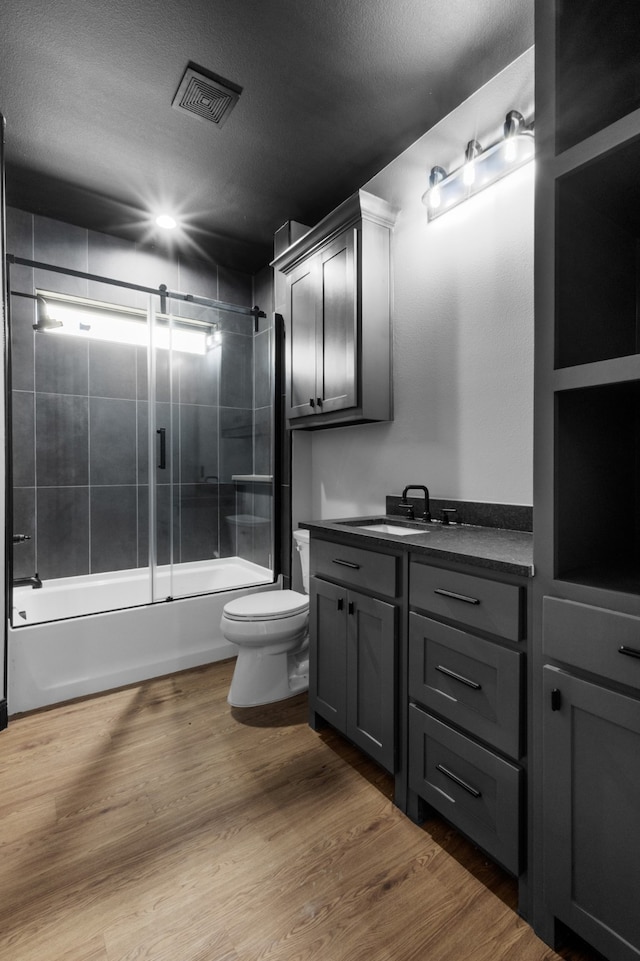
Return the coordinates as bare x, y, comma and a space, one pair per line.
166, 221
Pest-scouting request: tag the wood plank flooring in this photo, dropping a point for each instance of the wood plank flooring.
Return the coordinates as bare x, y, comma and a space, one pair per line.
155, 823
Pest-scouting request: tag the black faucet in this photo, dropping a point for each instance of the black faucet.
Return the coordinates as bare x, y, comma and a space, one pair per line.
406, 508
34, 580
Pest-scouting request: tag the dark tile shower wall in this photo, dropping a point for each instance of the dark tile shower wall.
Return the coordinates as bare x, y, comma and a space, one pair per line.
80, 413
254, 499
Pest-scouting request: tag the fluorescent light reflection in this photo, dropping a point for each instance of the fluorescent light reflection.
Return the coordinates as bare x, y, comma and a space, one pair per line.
122, 327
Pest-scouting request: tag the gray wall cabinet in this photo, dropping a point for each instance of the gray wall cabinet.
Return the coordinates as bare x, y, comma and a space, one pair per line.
338, 317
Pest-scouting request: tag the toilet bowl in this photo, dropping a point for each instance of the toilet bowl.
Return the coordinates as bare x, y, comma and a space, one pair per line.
271, 631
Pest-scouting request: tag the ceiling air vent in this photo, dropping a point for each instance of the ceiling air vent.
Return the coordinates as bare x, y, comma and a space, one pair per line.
205, 95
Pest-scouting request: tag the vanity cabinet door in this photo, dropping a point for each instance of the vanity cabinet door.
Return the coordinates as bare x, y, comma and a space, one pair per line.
371, 673
591, 802
352, 667
328, 652
302, 338
336, 359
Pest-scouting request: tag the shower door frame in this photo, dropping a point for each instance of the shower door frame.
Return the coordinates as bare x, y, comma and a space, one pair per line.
164, 293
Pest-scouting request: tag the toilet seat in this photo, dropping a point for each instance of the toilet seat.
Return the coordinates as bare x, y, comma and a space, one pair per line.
267, 606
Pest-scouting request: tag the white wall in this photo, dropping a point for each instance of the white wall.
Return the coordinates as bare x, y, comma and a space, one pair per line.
463, 332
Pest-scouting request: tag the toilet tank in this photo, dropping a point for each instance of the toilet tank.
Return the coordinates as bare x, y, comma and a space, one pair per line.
302, 546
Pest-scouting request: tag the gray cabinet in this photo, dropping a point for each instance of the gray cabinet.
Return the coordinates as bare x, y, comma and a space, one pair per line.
352, 675
322, 331
466, 706
353, 649
338, 317
591, 825
586, 643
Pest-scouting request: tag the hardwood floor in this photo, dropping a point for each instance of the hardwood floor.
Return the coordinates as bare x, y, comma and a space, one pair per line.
157, 823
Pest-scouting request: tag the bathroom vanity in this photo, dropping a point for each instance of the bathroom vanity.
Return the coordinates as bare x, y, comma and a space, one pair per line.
418, 647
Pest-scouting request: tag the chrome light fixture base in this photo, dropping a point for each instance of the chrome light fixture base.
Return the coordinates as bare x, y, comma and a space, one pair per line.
481, 168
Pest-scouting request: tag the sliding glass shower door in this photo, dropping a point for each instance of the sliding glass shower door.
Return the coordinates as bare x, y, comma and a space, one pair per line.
142, 449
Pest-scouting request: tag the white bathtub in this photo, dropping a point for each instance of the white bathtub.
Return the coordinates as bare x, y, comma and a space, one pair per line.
74, 653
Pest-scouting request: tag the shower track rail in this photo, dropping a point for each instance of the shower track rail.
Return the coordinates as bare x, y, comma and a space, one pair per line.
162, 290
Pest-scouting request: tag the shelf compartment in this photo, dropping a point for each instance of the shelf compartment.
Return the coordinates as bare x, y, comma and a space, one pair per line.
597, 67
597, 516
597, 259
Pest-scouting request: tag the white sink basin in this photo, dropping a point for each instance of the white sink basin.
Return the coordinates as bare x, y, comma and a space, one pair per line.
392, 529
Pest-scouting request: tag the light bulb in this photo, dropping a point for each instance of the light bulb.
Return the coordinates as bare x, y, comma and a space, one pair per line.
166, 221
469, 173
510, 149
434, 197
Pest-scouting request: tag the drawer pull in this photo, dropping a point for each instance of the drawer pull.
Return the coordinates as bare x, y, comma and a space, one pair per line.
629, 651
458, 780
457, 597
355, 567
459, 677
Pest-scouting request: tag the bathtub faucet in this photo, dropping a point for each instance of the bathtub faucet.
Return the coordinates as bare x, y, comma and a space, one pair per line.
34, 581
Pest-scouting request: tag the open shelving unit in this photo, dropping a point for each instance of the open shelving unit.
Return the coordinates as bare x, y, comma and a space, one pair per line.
585, 657
588, 295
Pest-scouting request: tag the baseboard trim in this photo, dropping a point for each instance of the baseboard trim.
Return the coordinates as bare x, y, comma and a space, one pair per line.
4, 714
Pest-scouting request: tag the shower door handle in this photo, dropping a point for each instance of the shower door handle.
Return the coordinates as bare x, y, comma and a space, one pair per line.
162, 431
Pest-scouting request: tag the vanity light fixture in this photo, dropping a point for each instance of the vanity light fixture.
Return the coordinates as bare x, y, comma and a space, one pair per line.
481, 168
73, 317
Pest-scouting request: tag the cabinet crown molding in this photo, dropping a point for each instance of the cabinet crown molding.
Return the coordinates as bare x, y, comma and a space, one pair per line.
360, 206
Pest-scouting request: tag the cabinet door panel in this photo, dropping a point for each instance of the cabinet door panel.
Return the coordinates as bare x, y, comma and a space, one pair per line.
592, 798
371, 658
301, 335
336, 364
328, 654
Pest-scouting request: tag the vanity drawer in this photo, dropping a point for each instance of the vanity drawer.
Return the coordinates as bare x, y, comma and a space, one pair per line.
481, 603
474, 683
606, 643
372, 570
473, 788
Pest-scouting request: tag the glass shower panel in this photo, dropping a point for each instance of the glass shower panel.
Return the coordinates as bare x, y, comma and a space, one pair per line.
213, 530
142, 434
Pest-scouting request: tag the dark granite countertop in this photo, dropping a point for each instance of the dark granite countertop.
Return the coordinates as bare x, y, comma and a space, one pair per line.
489, 547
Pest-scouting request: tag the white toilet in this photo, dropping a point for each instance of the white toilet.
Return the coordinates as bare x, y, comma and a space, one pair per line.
271, 630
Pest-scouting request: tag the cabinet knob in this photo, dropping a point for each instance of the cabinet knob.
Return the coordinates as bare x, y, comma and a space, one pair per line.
351, 607
556, 699
341, 603
319, 401
312, 402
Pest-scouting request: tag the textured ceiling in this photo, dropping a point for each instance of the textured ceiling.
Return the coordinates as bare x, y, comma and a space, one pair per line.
332, 90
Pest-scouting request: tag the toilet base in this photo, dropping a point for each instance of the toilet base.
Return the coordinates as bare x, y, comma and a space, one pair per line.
263, 678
